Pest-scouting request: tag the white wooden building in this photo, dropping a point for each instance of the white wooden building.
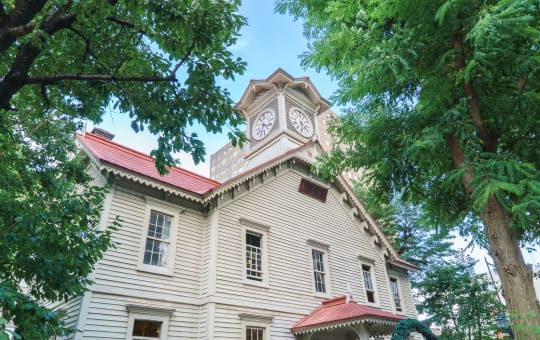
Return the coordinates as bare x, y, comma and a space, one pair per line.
273, 253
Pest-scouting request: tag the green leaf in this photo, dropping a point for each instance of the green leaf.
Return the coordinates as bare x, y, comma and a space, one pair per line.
441, 12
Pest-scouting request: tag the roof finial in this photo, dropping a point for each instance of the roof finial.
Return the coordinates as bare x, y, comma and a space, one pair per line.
349, 296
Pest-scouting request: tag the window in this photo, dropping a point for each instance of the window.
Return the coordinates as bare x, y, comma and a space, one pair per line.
255, 326
368, 283
158, 243
318, 271
255, 257
319, 265
147, 323
158, 239
254, 333
146, 329
395, 293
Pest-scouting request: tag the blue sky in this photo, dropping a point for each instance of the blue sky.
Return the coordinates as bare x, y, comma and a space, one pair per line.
268, 42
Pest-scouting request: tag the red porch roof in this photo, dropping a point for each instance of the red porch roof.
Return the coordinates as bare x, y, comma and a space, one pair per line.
336, 311
113, 153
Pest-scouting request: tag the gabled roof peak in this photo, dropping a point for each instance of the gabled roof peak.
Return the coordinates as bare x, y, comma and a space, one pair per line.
281, 79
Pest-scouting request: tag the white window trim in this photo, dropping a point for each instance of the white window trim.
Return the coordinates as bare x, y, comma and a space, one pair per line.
168, 209
256, 228
400, 295
138, 312
373, 282
323, 248
256, 320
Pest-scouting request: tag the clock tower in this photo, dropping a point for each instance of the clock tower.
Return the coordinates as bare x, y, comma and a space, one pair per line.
281, 114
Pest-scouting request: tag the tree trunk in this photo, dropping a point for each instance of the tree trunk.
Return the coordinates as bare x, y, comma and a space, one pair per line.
516, 277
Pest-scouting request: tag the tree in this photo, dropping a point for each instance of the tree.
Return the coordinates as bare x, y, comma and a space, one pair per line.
445, 98
68, 61
462, 302
404, 224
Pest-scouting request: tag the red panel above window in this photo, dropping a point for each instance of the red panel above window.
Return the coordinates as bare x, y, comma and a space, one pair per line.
313, 190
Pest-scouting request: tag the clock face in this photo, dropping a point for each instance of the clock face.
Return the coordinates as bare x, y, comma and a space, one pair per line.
263, 124
301, 123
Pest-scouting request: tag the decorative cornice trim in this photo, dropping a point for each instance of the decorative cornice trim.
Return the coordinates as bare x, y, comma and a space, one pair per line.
156, 310
122, 173
345, 323
256, 225
256, 317
317, 244
365, 258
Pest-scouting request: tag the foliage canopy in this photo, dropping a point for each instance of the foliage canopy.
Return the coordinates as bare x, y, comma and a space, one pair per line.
68, 61
444, 100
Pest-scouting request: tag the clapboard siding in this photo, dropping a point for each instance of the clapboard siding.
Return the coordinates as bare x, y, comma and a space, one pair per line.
108, 318
213, 245
293, 219
406, 294
228, 323
72, 309
118, 268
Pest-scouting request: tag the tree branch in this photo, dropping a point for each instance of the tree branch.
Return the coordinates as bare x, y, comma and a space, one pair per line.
459, 159
28, 52
96, 77
88, 49
104, 77
11, 24
490, 143
125, 23
63, 8
186, 56
520, 85
17, 23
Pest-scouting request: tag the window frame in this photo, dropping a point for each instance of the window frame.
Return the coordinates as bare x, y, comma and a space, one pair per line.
255, 321
324, 250
399, 309
138, 312
248, 226
371, 272
166, 209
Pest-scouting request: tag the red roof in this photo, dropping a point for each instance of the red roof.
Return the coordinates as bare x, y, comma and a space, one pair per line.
113, 153
338, 310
